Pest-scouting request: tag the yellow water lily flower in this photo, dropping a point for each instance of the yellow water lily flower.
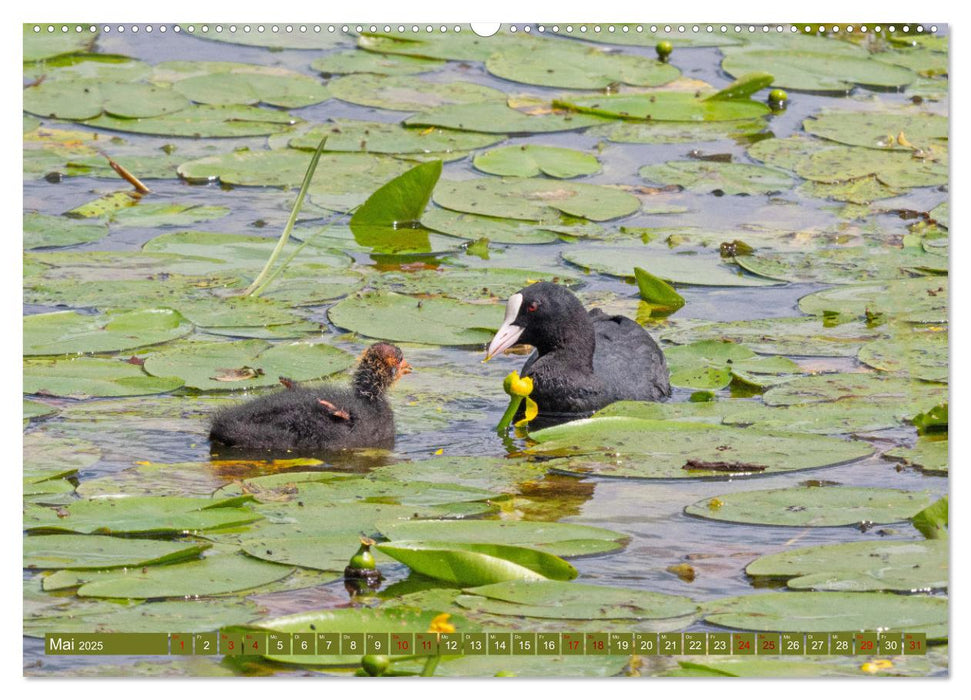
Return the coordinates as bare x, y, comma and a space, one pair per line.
515, 385
441, 625
876, 666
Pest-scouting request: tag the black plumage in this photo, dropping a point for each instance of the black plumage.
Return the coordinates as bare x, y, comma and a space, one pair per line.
583, 361
319, 418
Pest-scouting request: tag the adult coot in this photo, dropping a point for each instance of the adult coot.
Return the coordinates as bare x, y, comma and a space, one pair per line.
583, 361
319, 418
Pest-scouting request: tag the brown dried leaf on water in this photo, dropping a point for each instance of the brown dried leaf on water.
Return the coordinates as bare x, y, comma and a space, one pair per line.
240, 374
685, 572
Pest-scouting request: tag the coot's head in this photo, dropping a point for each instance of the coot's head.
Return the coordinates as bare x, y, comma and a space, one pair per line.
381, 365
547, 316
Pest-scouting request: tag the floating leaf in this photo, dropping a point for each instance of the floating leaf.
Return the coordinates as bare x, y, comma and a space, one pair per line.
917, 300
84, 377
395, 205
630, 447
465, 564
824, 612
818, 72
664, 106
933, 420
744, 86
534, 200
574, 601
659, 294
916, 354
532, 160
158, 214
813, 506
400, 318
895, 170
223, 83
105, 205
103, 552
85, 99
680, 132
879, 129
367, 62
307, 39
676, 268
929, 454
838, 265
904, 394
573, 65
324, 552
727, 178
376, 137
932, 521
475, 227
41, 44
859, 566
216, 366
490, 283
37, 409
68, 332
496, 117
445, 46
42, 231
203, 121
408, 93
711, 364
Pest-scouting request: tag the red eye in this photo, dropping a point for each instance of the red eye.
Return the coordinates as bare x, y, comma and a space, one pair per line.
533, 305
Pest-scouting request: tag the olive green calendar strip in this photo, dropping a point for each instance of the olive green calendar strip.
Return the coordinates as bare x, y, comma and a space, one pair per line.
489, 644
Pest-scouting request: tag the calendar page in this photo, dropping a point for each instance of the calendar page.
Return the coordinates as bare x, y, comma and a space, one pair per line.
464, 350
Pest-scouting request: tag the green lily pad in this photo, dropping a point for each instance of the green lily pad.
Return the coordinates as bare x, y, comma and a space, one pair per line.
895, 170
640, 35
376, 137
42, 231
246, 364
495, 474
782, 336
916, 354
917, 300
303, 38
676, 268
932, 521
85, 377
218, 83
574, 601
811, 71
490, 283
215, 575
839, 265
860, 566
898, 391
400, 318
664, 106
103, 552
37, 409
711, 364
727, 178
368, 62
497, 117
862, 191
105, 205
42, 44
573, 65
68, 332
942, 214
475, 227
160, 479
532, 160
404, 92
158, 214
393, 206
203, 121
813, 506
561, 539
680, 132
929, 454
785, 153
155, 515
880, 129
465, 46
467, 564
534, 200
630, 448
323, 553
86, 99
825, 612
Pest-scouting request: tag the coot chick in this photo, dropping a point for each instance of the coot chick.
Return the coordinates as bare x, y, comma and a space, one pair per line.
319, 418
583, 361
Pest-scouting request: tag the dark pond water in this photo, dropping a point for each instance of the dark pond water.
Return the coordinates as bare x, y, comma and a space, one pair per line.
649, 512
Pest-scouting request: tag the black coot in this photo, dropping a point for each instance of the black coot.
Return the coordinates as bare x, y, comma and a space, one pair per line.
325, 417
583, 361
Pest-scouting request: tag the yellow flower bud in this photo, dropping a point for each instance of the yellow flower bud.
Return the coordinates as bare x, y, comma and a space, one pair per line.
515, 385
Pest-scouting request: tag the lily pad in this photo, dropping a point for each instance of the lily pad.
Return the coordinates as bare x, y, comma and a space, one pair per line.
880, 129
475, 227
303, 38
897, 391
246, 364
825, 612
726, 178
158, 214
895, 170
220, 83
929, 454
103, 552
913, 353
664, 106
467, 564
862, 191
203, 121
561, 539
145, 515
631, 448
676, 268
466, 46
376, 137
860, 566
48, 457
404, 92
532, 160
68, 332
84, 377
534, 200
86, 99
368, 62
574, 601
42, 231
917, 300
680, 132
813, 506
575, 66
711, 364
497, 117
324, 552
839, 265
37, 409
41, 44
400, 318
215, 575
811, 71
490, 283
